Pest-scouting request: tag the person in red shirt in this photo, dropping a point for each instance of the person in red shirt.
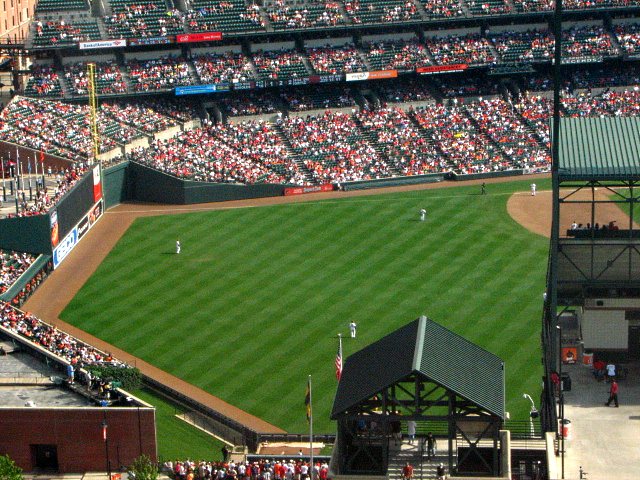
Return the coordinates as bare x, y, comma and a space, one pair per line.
407, 471
613, 394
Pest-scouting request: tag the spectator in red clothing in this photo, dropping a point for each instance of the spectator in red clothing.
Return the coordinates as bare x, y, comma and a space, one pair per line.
407, 471
613, 394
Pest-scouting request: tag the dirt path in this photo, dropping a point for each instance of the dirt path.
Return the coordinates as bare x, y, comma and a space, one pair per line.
534, 213
62, 285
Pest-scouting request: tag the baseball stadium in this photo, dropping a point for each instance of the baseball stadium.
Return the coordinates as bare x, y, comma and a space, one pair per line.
304, 239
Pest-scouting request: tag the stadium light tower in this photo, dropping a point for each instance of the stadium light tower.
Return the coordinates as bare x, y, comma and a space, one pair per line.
93, 111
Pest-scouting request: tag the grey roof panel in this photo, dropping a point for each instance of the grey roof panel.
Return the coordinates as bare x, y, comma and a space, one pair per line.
427, 348
375, 367
599, 148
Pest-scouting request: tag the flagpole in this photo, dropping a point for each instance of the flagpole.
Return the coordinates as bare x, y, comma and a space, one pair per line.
310, 431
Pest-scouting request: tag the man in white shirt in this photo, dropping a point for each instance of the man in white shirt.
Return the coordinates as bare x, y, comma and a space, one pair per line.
533, 189
352, 329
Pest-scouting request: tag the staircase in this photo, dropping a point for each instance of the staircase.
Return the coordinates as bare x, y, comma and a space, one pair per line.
423, 133
416, 455
294, 156
378, 147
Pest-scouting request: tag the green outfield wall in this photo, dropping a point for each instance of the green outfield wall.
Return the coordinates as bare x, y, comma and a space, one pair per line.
148, 185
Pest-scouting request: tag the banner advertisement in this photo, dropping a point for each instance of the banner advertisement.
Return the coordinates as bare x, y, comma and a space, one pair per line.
327, 187
55, 232
456, 67
70, 241
197, 89
103, 44
375, 75
67, 244
198, 37
97, 184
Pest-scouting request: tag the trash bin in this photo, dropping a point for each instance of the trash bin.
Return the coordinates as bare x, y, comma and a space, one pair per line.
587, 359
566, 382
565, 431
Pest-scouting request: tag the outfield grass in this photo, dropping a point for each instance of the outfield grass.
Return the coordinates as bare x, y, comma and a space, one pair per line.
177, 439
252, 304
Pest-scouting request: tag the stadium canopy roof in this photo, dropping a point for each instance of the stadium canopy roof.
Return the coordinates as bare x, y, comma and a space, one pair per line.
599, 149
427, 349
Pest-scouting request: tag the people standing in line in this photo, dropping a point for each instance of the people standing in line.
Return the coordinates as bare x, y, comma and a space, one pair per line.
407, 471
432, 446
178, 247
613, 394
352, 329
423, 214
533, 189
411, 430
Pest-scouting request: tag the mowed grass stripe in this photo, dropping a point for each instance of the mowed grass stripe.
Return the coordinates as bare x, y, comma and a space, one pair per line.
254, 301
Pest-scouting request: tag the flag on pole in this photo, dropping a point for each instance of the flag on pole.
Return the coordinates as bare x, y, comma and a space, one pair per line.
307, 400
339, 358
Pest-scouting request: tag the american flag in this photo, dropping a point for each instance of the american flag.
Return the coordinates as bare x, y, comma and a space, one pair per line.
339, 359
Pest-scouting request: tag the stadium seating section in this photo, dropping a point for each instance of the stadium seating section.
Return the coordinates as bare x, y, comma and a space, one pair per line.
12, 265
222, 68
108, 78
64, 32
224, 16
142, 18
400, 55
381, 11
333, 60
285, 15
279, 65
55, 6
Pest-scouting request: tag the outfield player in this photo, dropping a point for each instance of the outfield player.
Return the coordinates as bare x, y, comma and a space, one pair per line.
423, 214
178, 247
533, 189
352, 329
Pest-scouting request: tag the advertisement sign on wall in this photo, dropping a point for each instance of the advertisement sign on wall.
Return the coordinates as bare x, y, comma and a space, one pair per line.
199, 37
103, 44
70, 241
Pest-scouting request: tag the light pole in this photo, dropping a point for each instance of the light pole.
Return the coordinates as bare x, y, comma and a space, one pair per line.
561, 398
533, 413
105, 437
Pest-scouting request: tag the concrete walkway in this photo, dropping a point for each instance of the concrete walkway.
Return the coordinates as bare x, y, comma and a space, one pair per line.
603, 440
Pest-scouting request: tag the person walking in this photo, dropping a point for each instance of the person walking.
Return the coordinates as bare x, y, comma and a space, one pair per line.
613, 394
411, 430
432, 446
